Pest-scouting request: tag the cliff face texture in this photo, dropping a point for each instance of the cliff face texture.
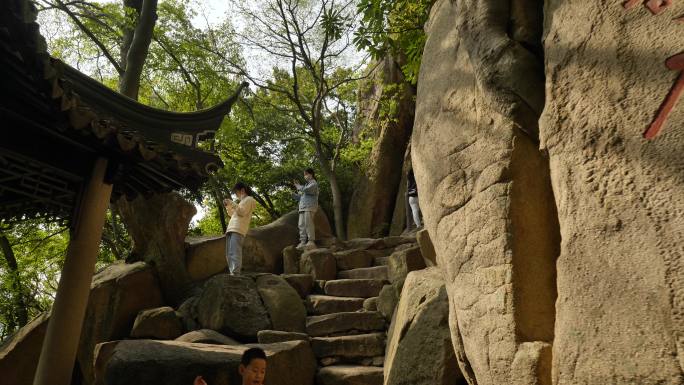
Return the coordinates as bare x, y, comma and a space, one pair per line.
620, 197
558, 226
386, 109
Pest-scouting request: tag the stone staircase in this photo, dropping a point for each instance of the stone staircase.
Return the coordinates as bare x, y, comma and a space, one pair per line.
348, 334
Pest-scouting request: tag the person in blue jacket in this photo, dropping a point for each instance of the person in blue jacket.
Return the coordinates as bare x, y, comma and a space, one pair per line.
307, 194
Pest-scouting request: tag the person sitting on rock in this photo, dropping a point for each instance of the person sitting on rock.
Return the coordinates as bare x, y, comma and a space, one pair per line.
308, 204
412, 194
240, 216
252, 368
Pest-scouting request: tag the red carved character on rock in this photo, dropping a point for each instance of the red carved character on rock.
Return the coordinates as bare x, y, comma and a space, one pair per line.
675, 63
656, 6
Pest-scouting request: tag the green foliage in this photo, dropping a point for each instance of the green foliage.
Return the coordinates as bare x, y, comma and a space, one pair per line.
396, 27
264, 143
39, 249
39, 253
187, 68
209, 224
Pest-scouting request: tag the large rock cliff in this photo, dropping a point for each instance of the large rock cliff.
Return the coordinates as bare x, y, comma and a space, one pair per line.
620, 308
562, 261
386, 109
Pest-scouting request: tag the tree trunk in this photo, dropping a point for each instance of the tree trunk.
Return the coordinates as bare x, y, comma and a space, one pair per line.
127, 32
317, 123
221, 212
338, 212
18, 290
129, 82
269, 208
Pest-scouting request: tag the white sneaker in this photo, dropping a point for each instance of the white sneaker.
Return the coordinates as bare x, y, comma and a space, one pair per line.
301, 246
311, 245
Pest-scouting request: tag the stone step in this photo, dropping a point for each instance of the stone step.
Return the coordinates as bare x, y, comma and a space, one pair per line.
375, 272
381, 261
349, 375
371, 304
325, 304
360, 288
303, 283
363, 361
356, 258
349, 347
348, 322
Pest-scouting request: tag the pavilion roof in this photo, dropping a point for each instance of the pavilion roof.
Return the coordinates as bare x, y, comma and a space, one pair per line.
55, 121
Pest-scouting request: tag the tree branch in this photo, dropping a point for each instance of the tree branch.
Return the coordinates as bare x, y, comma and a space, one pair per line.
137, 53
89, 33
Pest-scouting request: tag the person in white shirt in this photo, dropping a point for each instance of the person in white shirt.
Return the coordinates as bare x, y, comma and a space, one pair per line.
240, 216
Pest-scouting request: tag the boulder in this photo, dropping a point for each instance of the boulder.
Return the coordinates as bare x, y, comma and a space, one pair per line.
232, 306
531, 359
206, 336
371, 304
274, 336
360, 288
283, 303
19, 353
619, 316
161, 323
490, 210
262, 249
319, 263
349, 375
188, 314
302, 283
158, 225
427, 249
178, 363
387, 301
117, 294
401, 263
419, 349
291, 257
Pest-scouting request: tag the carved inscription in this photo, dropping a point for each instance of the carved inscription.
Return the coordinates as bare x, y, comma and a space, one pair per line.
655, 6
675, 63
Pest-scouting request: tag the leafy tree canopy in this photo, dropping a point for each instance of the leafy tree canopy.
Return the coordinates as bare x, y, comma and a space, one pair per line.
395, 27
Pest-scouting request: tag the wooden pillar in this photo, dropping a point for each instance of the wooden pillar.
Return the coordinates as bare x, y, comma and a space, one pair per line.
61, 342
